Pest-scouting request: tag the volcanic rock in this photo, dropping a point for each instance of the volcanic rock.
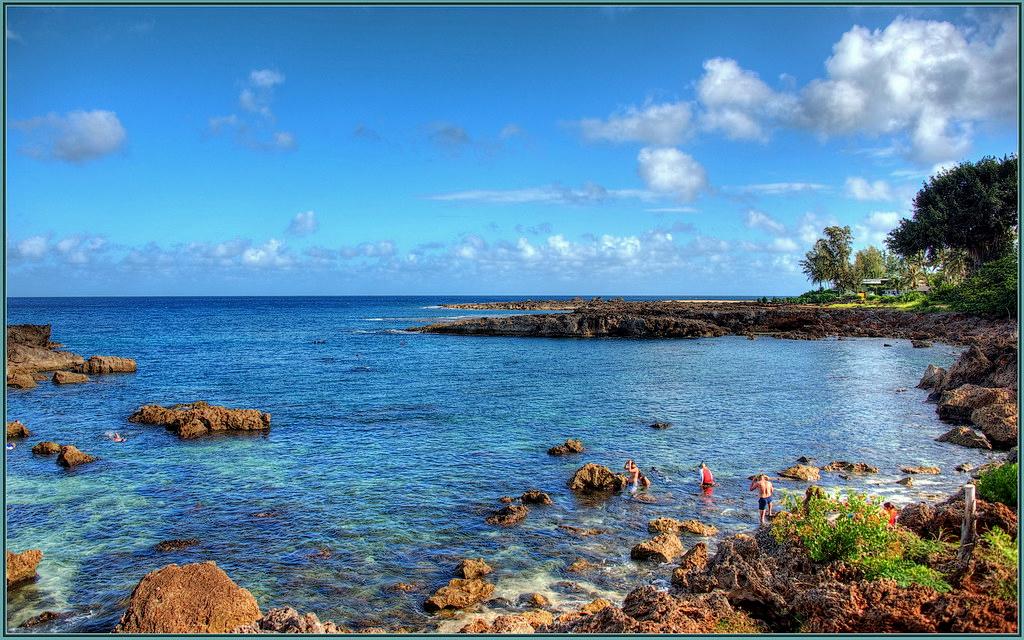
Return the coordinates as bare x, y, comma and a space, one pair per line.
693, 561
906, 482
471, 568
569, 446
998, 422
69, 377
932, 377
596, 478
958, 404
801, 472
46, 448
580, 565
288, 620
21, 567
664, 547
535, 496
508, 515
108, 364
925, 470
69, 456
192, 598
16, 429
661, 425
175, 545
459, 593
535, 600
920, 344
20, 379
965, 437
199, 418
849, 467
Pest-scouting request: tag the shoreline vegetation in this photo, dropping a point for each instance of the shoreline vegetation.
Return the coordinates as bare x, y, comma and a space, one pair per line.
801, 573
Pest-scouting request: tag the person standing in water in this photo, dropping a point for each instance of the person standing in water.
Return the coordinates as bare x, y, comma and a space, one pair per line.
764, 489
706, 478
636, 477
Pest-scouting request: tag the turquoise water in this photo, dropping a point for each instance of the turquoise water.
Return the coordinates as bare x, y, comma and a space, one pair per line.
390, 448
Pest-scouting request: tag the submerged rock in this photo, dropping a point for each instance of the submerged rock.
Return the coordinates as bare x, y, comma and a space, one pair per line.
508, 515
534, 600
16, 429
459, 593
849, 467
596, 478
471, 568
200, 418
47, 448
108, 364
801, 472
906, 482
581, 531
918, 470
535, 496
664, 547
175, 545
569, 446
45, 617
69, 377
965, 437
192, 598
661, 425
69, 456
21, 567
580, 565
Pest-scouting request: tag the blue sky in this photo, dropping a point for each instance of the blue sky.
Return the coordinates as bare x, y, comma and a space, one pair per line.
494, 150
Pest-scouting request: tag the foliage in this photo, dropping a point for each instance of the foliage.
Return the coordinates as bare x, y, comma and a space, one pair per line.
737, 622
829, 259
999, 485
999, 548
854, 529
992, 290
869, 263
971, 207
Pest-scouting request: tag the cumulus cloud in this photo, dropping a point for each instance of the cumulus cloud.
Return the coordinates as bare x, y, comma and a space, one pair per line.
654, 124
265, 78
668, 170
738, 103
875, 227
589, 193
780, 188
76, 137
255, 125
761, 220
32, 248
303, 224
861, 189
269, 254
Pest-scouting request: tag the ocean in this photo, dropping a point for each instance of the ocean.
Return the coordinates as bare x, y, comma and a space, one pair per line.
389, 449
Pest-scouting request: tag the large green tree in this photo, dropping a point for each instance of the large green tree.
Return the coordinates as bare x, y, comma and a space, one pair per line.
869, 263
971, 207
829, 259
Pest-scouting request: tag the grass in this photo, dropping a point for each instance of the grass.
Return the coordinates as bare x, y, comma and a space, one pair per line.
999, 485
999, 548
854, 529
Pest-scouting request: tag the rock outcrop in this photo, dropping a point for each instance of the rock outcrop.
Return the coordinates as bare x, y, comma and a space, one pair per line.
47, 448
957, 405
108, 364
965, 437
535, 496
69, 377
15, 429
288, 620
664, 547
192, 598
459, 593
69, 456
508, 515
29, 350
471, 568
932, 377
849, 467
564, 449
21, 567
801, 472
919, 470
198, 419
673, 526
596, 478
998, 421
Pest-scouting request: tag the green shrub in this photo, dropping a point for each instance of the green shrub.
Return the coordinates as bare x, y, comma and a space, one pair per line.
999, 548
991, 291
999, 485
854, 529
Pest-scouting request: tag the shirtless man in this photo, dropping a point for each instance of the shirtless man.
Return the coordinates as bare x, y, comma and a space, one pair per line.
764, 489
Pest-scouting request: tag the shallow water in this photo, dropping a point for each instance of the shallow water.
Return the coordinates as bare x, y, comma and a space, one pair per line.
390, 448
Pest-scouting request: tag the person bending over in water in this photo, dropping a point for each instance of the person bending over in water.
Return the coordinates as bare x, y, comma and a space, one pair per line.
636, 477
764, 489
706, 478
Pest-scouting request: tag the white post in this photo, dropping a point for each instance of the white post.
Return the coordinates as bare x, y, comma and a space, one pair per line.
968, 528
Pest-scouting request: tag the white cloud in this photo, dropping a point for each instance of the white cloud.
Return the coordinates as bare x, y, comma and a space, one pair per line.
761, 220
861, 189
670, 171
656, 124
265, 78
254, 126
32, 248
738, 103
672, 210
875, 227
589, 193
76, 137
303, 224
284, 140
781, 188
510, 130
784, 245
270, 254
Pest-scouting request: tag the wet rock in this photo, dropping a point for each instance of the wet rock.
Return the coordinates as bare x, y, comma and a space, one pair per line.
801, 472
698, 528
650, 611
264, 514
664, 547
932, 377
535, 600
507, 516
906, 482
965, 437
569, 446
459, 593
581, 531
511, 624
596, 478
403, 587
288, 620
646, 498
21, 379
200, 418
920, 470
661, 425
69, 456
804, 460
69, 377
16, 429
537, 617
535, 496
192, 598
108, 364
323, 553
958, 404
471, 568
964, 467
175, 545
920, 344
506, 499
694, 561
580, 565
594, 606
45, 617
849, 467
998, 422
479, 625
47, 448
21, 567
673, 526
663, 525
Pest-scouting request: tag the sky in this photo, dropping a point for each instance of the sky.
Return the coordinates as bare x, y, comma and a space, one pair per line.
474, 151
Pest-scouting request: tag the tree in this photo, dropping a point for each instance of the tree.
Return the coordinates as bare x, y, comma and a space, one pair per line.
971, 207
869, 263
829, 259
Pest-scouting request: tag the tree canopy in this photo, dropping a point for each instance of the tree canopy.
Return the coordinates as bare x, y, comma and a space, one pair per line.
971, 207
829, 259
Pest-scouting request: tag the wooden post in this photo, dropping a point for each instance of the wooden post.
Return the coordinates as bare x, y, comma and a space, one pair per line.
969, 526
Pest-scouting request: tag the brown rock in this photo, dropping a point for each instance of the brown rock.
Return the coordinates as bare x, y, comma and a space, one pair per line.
920, 344
694, 561
596, 478
958, 404
459, 594
580, 531
108, 364
69, 456
43, 618
175, 545
918, 470
801, 472
16, 429
516, 624
46, 448
199, 418
661, 425
288, 620
849, 467
471, 568
21, 567
535, 496
68, 377
698, 528
506, 499
998, 422
663, 525
594, 606
535, 600
508, 515
192, 598
965, 437
538, 618
664, 547
21, 379
404, 587
906, 482
479, 625
580, 565
570, 446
